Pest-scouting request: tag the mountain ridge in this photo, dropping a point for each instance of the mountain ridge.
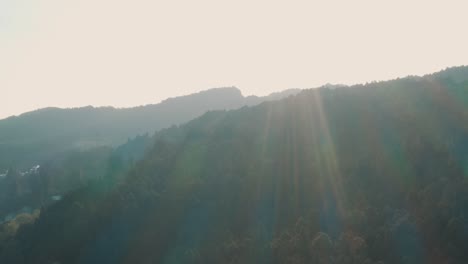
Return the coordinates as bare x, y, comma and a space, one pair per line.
33, 137
374, 174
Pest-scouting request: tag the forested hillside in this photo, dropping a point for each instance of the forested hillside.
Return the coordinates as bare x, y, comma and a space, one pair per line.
50, 152
374, 173
28, 190
35, 137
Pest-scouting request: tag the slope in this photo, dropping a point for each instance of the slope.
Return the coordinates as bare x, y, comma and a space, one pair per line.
34, 137
373, 173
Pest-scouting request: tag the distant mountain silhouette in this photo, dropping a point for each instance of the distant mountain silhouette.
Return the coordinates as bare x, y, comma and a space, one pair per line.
33, 137
374, 173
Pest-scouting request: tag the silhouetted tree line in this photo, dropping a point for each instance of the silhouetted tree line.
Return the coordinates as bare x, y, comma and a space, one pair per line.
373, 173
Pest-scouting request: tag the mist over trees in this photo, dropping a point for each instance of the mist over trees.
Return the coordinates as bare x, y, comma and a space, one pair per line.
35, 137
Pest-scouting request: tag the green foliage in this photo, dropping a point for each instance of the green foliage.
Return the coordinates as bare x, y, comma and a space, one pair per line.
365, 174
9, 229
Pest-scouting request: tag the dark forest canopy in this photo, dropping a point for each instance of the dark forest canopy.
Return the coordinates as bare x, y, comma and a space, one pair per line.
374, 173
37, 136
27, 190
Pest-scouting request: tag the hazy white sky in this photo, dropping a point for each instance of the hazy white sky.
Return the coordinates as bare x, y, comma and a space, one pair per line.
124, 53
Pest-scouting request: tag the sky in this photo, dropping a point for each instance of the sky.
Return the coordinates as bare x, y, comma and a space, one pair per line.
70, 53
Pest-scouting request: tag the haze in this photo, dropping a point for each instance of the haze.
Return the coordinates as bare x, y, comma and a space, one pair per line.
126, 53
